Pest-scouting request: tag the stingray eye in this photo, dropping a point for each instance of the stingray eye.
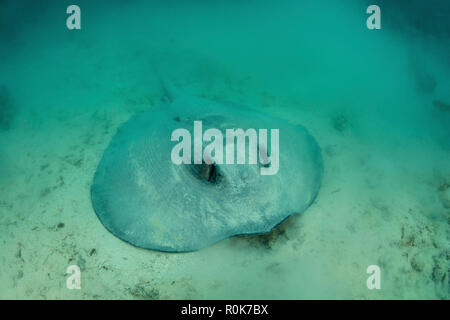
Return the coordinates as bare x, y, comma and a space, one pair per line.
263, 157
208, 173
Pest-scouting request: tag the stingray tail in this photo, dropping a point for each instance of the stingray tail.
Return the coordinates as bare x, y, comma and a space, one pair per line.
169, 89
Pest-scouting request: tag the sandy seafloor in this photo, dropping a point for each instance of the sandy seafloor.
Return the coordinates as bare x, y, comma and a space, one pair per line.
366, 96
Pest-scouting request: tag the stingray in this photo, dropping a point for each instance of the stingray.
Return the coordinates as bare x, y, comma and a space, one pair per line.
145, 199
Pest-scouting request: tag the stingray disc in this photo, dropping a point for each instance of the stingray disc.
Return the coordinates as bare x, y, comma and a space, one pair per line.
143, 198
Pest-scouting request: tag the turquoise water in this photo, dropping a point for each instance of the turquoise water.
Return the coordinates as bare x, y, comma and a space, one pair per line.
377, 102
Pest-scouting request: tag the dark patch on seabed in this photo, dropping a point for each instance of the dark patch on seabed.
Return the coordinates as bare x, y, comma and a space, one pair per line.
276, 237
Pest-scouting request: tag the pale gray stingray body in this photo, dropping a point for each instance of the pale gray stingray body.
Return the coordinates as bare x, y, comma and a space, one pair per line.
145, 199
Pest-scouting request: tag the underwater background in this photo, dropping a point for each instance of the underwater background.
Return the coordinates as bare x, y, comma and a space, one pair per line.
377, 102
